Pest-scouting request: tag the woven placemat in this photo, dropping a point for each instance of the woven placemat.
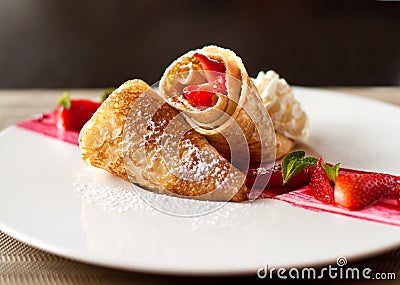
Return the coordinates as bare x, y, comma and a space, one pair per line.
23, 264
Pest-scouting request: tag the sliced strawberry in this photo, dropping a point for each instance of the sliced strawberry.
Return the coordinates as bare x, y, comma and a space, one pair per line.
356, 191
320, 183
201, 99
205, 95
72, 114
215, 70
271, 178
209, 64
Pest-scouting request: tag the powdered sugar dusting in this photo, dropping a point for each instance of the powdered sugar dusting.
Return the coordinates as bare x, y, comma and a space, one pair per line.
187, 161
178, 206
107, 191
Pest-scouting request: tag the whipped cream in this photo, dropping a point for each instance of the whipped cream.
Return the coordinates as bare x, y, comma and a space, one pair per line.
285, 111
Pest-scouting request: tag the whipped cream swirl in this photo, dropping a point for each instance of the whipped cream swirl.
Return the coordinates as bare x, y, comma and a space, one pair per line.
286, 113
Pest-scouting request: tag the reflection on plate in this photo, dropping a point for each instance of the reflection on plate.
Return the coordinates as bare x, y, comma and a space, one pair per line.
51, 200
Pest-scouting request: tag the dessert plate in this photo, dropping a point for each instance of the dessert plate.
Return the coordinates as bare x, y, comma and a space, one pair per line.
51, 200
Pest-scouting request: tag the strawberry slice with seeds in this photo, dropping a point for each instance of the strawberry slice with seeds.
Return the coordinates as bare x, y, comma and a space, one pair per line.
356, 191
320, 183
395, 194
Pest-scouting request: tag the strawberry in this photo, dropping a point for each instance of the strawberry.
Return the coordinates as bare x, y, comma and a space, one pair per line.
200, 97
359, 190
271, 177
209, 64
320, 183
294, 172
72, 114
204, 96
216, 72
395, 194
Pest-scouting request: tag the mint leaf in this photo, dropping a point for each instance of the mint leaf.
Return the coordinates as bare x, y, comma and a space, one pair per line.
65, 100
331, 171
296, 166
289, 157
106, 93
295, 162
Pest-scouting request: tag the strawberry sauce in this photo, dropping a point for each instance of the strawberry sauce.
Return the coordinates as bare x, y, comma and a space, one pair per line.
46, 124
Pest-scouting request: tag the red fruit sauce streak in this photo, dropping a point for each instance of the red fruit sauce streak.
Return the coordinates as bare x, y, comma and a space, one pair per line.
385, 211
46, 124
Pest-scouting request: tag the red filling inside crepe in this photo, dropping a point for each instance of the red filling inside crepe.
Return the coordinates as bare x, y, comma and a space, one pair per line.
205, 95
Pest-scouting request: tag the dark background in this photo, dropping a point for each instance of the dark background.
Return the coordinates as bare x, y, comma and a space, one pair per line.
67, 44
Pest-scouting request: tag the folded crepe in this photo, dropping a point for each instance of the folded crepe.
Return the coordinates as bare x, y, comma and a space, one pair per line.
136, 135
212, 88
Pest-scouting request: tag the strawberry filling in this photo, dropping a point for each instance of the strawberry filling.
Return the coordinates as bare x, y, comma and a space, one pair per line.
205, 95
201, 98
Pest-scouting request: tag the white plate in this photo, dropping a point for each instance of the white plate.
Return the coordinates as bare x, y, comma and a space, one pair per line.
51, 200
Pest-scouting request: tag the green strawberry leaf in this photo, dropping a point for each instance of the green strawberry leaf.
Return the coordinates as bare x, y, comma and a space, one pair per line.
295, 162
65, 100
106, 93
331, 171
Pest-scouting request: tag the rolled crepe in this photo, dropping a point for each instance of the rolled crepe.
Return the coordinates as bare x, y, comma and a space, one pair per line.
239, 112
137, 136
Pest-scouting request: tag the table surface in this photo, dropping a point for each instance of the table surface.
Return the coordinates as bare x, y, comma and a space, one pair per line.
23, 264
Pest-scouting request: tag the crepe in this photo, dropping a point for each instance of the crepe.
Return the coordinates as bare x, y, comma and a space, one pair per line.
238, 113
137, 136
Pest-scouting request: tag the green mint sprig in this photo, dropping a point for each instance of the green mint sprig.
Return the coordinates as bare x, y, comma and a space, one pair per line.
295, 162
